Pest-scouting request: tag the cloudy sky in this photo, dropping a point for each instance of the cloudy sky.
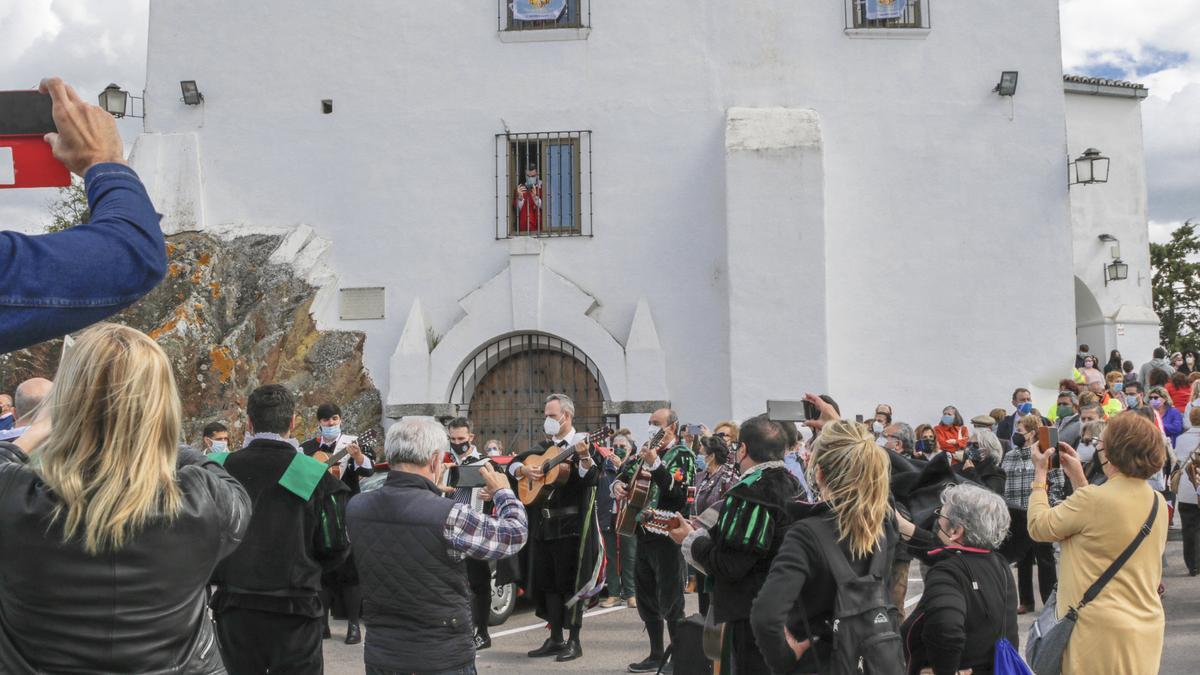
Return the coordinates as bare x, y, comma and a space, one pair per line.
1157, 42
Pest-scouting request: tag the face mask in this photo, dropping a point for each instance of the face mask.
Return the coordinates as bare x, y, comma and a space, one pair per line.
551, 426
1018, 439
1065, 411
220, 446
926, 446
1025, 408
1190, 361
458, 448
621, 450
947, 419
1131, 402
1118, 386
877, 427
701, 463
651, 431
492, 451
530, 181
1156, 403
331, 433
881, 442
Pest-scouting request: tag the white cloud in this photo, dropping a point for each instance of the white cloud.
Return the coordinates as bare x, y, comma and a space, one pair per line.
1156, 42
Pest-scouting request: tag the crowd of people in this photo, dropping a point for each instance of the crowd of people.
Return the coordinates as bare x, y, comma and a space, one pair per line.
125, 551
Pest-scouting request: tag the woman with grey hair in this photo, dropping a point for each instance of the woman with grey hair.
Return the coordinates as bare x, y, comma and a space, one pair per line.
970, 600
981, 461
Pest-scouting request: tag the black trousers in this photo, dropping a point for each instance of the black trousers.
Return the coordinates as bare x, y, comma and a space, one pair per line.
1025, 552
660, 574
479, 578
746, 657
254, 642
1189, 518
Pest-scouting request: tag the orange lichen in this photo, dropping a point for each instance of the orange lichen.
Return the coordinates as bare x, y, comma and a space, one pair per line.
170, 324
196, 278
216, 290
204, 259
174, 270
222, 363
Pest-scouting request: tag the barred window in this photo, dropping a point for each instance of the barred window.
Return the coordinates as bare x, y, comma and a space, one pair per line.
575, 14
544, 184
915, 14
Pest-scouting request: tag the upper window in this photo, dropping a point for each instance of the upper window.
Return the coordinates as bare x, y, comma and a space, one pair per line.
517, 15
544, 184
887, 14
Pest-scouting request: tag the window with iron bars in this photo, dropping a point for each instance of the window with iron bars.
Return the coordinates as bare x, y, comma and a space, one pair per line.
544, 184
576, 14
916, 15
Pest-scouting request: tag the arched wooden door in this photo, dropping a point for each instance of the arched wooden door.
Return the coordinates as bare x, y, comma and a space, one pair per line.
502, 389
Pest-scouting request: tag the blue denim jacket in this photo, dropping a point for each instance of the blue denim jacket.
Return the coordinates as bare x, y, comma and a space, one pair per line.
53, 284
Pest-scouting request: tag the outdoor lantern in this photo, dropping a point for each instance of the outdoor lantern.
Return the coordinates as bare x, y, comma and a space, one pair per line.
1117, 271
1091, 167
114, 100
1008, 83
191, 93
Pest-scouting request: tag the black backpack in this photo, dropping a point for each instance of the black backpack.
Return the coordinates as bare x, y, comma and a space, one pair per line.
865, 625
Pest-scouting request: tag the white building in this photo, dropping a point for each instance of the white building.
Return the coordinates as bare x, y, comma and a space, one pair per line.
752, 200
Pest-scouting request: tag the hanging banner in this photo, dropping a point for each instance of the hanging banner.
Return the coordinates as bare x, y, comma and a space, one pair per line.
885, 9
538, 10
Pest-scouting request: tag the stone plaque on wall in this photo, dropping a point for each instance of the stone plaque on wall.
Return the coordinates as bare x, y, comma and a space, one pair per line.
361, 303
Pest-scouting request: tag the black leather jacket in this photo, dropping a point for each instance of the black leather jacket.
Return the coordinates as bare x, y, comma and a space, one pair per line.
138, 610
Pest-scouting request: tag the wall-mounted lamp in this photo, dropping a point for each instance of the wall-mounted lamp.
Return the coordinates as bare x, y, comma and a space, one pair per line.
1117, 271
191, 93
1090, 167
1007, 86
1115, 249
115, 101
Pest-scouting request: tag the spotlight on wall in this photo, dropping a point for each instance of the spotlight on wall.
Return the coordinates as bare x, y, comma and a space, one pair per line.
115, 101
191, 93
1007, 86
1090, 167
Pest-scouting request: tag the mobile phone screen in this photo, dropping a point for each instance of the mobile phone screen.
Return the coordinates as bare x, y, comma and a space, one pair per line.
467, 476
25, 113
787, 411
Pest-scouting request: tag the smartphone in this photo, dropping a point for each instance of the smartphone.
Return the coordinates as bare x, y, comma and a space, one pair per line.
1048, 440
693, 430
791, 411
858, 418
25, 158
466, 476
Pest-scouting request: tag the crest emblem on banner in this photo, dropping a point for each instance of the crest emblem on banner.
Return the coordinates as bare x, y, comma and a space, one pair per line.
885, 9
537, 10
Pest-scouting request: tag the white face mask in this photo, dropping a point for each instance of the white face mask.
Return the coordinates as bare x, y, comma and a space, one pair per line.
877, 427
651, 431
551, 426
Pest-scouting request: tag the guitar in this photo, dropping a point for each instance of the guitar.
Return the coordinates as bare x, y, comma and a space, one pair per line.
637, 497
367, 441
657, 521
554, 463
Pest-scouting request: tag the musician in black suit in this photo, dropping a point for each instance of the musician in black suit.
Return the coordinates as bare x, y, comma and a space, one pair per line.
355, 465
564, 534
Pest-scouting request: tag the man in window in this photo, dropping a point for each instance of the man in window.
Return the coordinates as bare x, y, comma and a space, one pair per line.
528, 201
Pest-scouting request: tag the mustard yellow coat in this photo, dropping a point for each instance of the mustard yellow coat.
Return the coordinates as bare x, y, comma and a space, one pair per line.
1121, 631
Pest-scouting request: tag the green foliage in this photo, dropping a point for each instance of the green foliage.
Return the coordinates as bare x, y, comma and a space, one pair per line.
1176, 284
70, 208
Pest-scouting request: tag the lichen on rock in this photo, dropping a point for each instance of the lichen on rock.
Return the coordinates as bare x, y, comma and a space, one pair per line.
230, 319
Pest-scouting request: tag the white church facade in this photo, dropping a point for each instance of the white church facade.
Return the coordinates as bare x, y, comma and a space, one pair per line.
738, 201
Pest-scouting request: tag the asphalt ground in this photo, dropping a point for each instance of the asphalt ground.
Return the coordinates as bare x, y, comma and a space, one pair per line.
613, 638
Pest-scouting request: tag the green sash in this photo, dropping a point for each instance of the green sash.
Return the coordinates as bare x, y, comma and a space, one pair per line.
301, 477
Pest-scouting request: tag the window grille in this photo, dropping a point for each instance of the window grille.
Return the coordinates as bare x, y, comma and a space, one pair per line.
916, 15
557, 200
576, 14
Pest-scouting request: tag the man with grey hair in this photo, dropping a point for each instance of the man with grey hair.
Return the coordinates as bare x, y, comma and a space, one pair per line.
899, 438
410, 544
29, 395
566, 534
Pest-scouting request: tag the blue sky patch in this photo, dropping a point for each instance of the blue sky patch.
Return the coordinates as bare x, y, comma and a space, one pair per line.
1123, 65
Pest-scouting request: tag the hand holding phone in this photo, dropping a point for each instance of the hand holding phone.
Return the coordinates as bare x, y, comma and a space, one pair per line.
86, 136
1048, 441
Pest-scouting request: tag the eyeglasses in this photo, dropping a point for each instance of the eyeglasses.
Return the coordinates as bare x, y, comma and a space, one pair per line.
1155, 397
722, 434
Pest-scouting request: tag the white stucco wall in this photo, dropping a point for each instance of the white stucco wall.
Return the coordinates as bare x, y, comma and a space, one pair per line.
945, 205
1119, 315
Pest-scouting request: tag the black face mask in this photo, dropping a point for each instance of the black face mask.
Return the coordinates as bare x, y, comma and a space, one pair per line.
1018, 439
459, 448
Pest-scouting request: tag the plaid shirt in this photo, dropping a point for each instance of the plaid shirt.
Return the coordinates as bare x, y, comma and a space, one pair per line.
482, 537
1019, 471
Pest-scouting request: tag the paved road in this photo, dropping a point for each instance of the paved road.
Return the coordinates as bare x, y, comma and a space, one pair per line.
613, 638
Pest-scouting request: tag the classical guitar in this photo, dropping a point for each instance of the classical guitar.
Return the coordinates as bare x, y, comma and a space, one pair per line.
555, 464
637, 496
367, 441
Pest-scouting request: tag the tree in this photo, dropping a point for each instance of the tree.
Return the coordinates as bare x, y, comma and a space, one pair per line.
70, 209
1176, 283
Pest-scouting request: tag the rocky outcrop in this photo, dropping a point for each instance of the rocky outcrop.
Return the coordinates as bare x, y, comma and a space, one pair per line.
233, 314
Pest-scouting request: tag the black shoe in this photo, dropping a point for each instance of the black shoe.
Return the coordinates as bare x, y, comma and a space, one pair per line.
647, 665
325, 634
353, 634
573, 651
1192, 573
668, 668
482, 641
548, 648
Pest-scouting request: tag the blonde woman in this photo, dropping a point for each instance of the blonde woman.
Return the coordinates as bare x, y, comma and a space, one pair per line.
108, 531
851, 473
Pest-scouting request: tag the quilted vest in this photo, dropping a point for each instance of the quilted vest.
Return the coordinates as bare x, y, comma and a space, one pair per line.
417, 609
